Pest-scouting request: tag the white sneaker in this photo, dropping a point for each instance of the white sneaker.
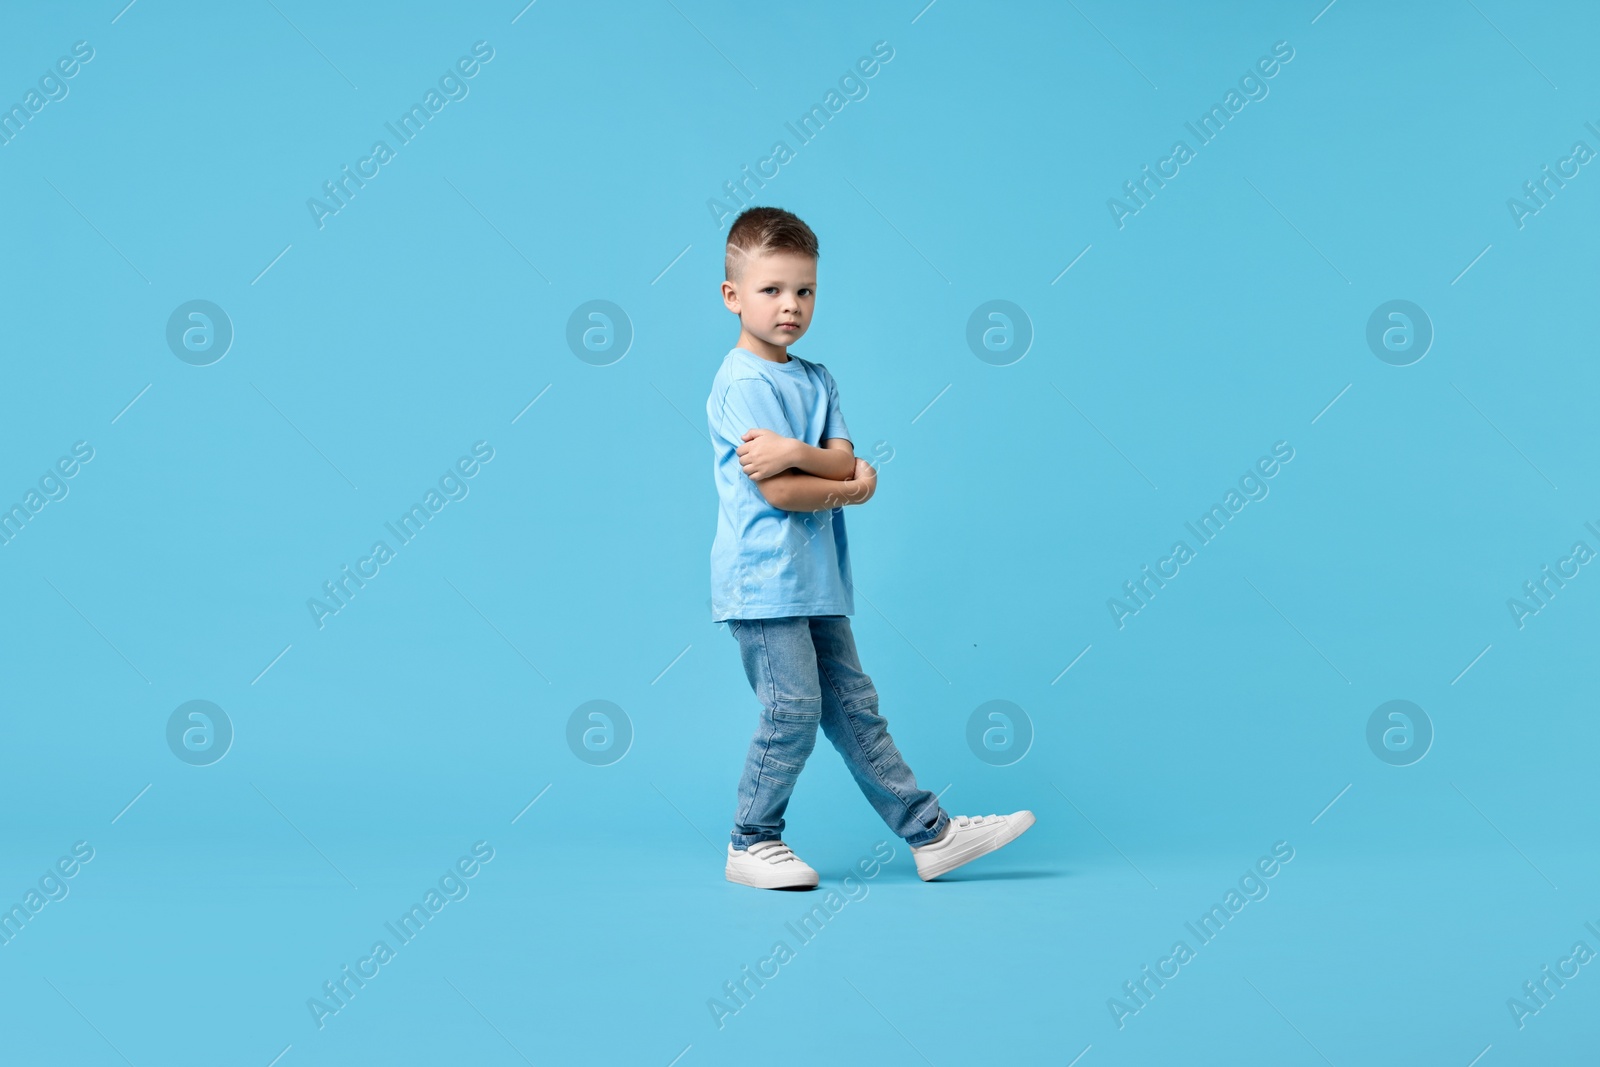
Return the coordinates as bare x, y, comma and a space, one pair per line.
769, 865
965, 838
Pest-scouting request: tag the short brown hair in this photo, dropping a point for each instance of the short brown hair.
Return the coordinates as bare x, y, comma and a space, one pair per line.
760, 231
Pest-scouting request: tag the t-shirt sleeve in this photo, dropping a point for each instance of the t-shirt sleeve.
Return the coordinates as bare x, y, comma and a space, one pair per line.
749, 404
834, 426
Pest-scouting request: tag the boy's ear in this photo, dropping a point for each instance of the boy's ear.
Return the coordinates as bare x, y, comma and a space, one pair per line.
730, 296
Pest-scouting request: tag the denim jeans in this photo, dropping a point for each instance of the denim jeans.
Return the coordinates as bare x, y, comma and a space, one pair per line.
805, 672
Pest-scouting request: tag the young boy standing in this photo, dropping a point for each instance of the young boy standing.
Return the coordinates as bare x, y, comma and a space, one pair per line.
780, 572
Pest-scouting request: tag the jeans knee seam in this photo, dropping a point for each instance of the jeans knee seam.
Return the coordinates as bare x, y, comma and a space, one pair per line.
888, 786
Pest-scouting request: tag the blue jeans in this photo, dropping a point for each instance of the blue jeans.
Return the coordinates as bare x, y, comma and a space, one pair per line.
805, 672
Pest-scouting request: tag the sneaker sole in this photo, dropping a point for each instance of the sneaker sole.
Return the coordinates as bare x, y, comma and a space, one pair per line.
775, 881
961, 859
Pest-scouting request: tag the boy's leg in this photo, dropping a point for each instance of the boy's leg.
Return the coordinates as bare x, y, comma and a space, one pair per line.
851, 721
781, 664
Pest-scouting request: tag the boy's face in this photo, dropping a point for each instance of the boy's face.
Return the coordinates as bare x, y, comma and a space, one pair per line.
774, 299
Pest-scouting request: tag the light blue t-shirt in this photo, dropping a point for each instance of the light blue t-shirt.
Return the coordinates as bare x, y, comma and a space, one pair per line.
767, 563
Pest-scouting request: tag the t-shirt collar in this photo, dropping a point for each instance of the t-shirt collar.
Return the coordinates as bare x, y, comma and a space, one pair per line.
793, 362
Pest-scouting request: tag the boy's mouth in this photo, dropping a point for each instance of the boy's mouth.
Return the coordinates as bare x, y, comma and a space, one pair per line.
788, 325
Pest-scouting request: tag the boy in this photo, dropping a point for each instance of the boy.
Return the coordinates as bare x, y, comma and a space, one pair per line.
780, 572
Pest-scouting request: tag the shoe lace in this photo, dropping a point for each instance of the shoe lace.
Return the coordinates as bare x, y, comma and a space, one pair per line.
772, 852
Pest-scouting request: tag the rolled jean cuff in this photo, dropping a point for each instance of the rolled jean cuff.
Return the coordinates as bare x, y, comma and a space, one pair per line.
744, 841
917, 840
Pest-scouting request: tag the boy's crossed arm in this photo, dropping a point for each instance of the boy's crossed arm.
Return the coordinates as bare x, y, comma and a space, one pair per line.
765, 453
795, 476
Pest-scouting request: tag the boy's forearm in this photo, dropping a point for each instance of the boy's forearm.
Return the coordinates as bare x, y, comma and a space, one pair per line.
837, 464
808, 492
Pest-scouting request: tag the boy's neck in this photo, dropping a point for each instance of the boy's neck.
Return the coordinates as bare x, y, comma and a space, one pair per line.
770, 352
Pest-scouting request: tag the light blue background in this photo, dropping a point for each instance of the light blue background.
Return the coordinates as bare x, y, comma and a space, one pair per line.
426, 715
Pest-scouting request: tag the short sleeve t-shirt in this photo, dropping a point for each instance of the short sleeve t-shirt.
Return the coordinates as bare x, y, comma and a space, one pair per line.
767, 563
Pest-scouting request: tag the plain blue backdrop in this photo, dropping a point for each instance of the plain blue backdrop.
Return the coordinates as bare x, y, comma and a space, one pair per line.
1169, 348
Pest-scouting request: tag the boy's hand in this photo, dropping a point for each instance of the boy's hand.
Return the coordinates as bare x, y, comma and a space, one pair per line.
765, 453
867, 477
